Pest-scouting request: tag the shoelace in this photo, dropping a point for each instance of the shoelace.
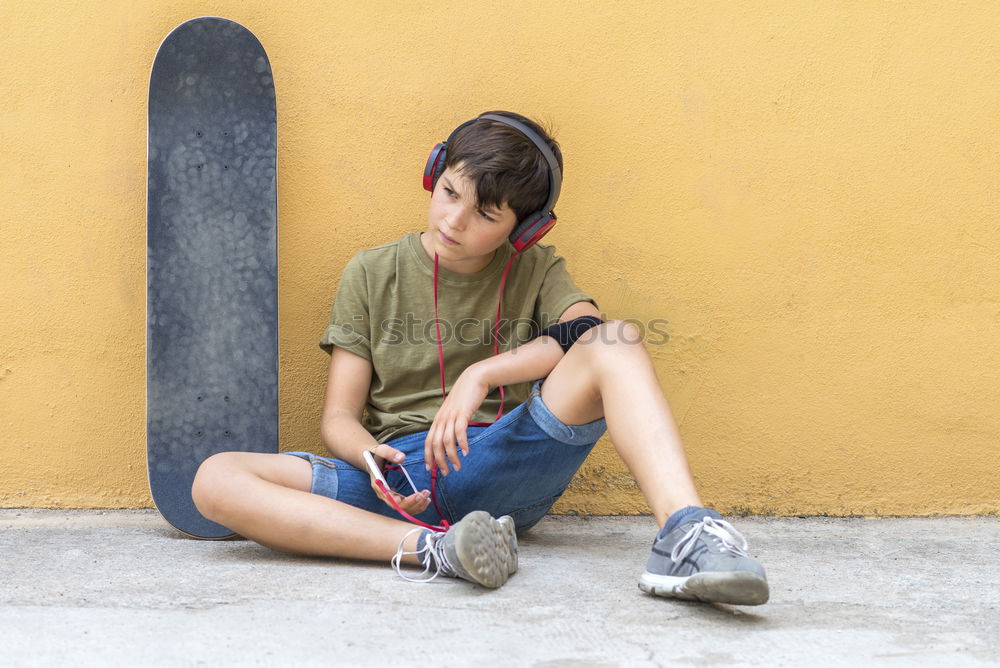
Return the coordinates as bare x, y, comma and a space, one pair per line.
433, 555
725, 532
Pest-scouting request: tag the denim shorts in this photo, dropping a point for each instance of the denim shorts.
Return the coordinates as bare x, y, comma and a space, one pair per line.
518, 466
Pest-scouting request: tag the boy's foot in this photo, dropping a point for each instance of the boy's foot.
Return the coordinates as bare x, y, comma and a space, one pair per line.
705, 559
478, 548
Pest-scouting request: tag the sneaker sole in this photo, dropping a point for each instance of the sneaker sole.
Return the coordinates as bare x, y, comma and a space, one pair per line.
485, 550
507, 522
733, 587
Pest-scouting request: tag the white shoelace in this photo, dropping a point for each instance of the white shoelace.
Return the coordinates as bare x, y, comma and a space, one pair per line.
430, 556
729, 538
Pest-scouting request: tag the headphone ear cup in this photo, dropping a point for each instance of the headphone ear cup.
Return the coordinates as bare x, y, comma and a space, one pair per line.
434, 166
530, 230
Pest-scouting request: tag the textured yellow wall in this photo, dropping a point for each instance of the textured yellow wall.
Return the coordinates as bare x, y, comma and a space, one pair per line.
808, 192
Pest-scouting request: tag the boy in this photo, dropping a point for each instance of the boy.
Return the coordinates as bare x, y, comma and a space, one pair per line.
494, 184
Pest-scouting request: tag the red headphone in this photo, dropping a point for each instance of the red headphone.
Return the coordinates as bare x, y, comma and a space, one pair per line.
534, 226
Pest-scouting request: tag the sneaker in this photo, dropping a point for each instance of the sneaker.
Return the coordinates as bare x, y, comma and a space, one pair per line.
705, 560
478, 548
507, 525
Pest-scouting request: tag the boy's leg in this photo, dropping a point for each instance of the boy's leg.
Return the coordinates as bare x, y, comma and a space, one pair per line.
696, 554
609, 374
266, 498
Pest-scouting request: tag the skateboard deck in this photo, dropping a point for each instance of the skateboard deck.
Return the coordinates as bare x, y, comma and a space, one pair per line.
211, 278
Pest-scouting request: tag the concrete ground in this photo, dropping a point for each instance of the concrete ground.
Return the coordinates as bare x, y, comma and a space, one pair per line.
81, 588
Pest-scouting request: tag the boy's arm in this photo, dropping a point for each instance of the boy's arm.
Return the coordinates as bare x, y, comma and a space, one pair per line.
530, 361
344, 435
346, 392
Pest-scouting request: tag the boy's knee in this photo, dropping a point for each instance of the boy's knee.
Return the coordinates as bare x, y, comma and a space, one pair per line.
208, 488
614, 332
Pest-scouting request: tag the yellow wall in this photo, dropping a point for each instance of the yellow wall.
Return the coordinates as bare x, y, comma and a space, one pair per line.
808, 192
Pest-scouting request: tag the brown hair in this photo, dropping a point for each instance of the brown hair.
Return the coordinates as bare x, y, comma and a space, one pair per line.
505, 165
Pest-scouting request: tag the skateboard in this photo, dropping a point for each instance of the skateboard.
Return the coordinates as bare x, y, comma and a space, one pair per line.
211, 272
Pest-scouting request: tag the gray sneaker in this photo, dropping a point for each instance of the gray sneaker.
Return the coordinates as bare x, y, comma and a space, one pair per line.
705, 560
478, 548
507, 524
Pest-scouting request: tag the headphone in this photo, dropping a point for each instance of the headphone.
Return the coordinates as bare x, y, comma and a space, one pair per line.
534, 226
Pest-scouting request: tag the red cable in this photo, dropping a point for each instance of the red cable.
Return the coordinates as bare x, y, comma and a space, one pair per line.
441, 529
495, 336
496, 351
396, 467
437, 323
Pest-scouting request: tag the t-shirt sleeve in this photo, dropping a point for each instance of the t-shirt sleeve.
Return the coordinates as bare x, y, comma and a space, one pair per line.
558, 293
349, 324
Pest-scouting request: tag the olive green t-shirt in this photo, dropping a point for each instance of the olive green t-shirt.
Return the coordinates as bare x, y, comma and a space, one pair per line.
384, 311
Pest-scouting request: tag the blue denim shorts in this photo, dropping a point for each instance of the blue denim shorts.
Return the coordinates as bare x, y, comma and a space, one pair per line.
518, 466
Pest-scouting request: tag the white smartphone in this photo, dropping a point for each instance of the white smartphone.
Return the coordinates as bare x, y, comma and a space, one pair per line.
373, 467
377, 472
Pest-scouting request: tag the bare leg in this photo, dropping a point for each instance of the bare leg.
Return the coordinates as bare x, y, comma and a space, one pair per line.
266, 498
609, 374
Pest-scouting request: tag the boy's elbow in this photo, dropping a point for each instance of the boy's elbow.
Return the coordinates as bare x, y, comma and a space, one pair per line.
327, 427
333, 425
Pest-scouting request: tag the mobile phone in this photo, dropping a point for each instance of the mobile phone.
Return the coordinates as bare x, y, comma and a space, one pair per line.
373, 467
377, 472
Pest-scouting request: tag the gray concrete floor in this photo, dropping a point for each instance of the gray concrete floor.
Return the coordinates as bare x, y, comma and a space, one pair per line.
122, 587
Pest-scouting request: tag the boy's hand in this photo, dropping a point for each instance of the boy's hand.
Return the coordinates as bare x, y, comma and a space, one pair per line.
413, 504
448, 432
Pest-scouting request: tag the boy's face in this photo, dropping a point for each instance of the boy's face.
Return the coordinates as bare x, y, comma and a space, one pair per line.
463, 234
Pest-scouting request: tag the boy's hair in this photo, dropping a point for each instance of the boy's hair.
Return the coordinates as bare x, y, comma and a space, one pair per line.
505, 165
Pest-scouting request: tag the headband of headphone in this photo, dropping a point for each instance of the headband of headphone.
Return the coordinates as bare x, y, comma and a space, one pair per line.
534, 226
